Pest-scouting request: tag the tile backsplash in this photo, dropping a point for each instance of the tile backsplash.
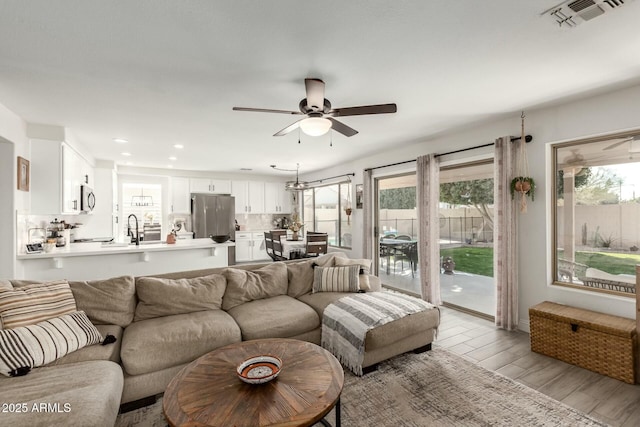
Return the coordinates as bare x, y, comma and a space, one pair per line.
259, 222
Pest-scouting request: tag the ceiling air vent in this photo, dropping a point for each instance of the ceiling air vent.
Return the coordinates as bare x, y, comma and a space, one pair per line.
572, 13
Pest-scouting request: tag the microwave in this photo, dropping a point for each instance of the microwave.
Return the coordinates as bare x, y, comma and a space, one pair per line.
87, 199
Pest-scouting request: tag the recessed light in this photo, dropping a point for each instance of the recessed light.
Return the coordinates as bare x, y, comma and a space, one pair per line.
126, 154
178, 146
170, 166
173, 158
120, 140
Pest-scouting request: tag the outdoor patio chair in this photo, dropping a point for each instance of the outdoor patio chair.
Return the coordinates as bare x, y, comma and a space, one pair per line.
569, 271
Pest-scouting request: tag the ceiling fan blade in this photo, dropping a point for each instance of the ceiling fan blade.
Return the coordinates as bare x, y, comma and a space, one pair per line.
315, 93
365, 109
615, 144
291, 127
265, 110
342, 128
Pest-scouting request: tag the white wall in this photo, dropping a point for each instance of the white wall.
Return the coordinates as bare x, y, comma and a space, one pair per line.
13, 143
602, 114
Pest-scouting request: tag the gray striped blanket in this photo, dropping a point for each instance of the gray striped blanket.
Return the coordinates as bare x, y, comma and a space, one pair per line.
345, 323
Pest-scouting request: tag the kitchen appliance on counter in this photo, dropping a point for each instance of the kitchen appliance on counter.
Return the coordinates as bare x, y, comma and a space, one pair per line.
214, 215
57, 234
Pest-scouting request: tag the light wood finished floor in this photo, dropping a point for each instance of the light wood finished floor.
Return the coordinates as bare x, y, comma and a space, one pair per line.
509, 353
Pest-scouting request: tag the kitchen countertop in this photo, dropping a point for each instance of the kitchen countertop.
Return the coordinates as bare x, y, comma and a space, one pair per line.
97, 248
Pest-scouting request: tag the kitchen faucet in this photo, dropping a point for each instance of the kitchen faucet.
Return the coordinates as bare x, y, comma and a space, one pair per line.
129, 233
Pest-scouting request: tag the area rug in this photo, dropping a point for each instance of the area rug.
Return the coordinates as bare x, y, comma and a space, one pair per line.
435, 388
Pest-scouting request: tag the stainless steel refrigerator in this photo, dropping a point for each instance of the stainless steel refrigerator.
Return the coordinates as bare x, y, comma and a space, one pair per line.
214, 215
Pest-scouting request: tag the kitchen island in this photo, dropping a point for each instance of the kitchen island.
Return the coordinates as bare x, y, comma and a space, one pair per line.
89, 261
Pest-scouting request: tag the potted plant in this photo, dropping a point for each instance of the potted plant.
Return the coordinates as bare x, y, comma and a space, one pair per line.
295, 226
524, 185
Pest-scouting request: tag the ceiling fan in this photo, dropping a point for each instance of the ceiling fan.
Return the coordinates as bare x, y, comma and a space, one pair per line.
633, 141
319, 114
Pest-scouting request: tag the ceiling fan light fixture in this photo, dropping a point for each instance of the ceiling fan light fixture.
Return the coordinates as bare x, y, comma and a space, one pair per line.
315, 126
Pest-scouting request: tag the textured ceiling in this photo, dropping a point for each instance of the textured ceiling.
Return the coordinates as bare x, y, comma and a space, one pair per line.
163, 72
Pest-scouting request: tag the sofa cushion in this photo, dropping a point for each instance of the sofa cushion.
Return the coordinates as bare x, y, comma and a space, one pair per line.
328, 260
336, 279
34, 303
165, 297
31, 346
159, 343
386, 334
96, 352
244, 286
81, 394
320, 300
5, 285
106, 302
276, 317
300, 276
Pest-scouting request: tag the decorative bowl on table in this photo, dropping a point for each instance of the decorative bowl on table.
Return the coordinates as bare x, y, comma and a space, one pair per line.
259, 369
220, 238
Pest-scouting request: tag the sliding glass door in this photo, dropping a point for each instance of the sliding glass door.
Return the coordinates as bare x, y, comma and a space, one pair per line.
466, 237
396, 231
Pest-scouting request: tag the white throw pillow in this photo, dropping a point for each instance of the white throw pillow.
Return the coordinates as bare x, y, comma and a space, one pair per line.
31, 346
365, 266
336, 279
30, 304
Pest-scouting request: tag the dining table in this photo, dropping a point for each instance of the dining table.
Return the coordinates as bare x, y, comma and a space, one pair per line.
293, 249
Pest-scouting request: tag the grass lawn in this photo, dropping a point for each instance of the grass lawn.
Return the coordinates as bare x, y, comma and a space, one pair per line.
471, 260
480, 260
614, 263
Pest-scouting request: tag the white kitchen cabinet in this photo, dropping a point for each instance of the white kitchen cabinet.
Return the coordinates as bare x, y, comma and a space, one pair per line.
276, 198
249, 196
250, 246
57, 172
207, 185
180, 195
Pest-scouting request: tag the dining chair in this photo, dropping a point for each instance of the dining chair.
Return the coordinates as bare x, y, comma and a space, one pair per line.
277, 244
316, 245
268, 244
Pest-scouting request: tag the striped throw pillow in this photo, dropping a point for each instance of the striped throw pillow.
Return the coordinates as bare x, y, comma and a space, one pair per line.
31, 346
336, 279
31, 304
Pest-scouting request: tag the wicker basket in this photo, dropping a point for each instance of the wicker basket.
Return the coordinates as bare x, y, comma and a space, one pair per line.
599, 342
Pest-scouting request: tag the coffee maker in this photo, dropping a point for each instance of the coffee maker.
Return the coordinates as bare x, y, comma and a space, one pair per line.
56, 234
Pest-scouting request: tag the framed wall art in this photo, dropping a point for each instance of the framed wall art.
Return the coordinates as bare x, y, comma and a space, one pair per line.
359, 196
23, 174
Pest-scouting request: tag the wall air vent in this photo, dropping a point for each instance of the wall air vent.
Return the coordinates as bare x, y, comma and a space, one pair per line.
574, 12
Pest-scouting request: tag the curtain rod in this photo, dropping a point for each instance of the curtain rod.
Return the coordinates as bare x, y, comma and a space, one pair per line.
332, 177
527, 138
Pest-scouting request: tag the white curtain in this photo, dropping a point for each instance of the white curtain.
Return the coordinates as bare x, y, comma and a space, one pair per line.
367, 215
428, 177
505, 242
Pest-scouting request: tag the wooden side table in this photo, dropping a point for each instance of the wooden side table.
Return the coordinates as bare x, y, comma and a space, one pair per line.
208, 391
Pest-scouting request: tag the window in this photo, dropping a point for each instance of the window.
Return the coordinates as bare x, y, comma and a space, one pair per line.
324, 210
596, 231
145, 202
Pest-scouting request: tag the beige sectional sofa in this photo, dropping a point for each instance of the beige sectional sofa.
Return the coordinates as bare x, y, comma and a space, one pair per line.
164, 322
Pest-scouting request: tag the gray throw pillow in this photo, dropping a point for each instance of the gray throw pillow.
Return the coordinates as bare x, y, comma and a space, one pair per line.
300, 278
106, 302
165, 297
250, 285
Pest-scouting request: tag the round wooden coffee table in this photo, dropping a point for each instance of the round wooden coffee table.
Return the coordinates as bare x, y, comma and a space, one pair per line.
208, 391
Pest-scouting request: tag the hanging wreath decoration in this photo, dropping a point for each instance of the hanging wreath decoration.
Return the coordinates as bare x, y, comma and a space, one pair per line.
523, 184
